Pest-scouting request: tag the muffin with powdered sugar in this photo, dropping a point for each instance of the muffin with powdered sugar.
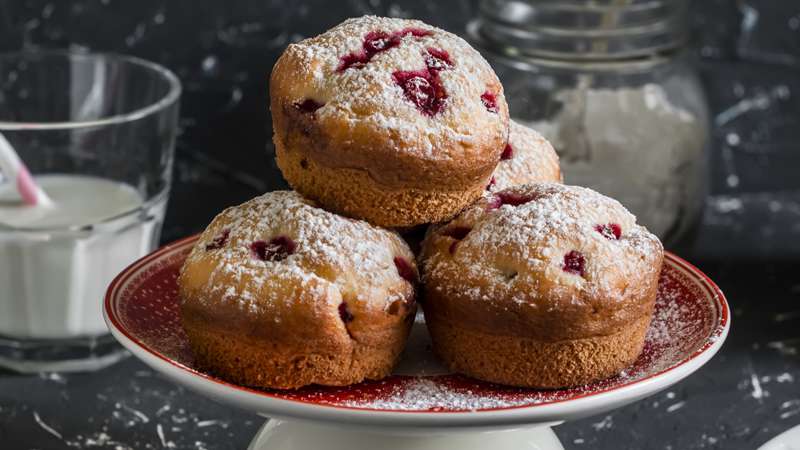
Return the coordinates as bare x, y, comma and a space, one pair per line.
279, 293
388, 120
540, 285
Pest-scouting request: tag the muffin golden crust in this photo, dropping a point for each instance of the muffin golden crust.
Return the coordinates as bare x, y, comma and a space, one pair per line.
410, 116
527, 158
278, 293
540, 285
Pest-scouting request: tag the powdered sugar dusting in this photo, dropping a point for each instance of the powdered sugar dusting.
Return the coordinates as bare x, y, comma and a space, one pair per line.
332, 256
424, 394
530, 241
532, 160
677, 324
367, 96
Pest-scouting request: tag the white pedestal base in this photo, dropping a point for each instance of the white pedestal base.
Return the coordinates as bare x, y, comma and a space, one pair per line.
298, 435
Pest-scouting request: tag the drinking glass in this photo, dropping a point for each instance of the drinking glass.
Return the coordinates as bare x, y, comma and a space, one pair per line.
106, 118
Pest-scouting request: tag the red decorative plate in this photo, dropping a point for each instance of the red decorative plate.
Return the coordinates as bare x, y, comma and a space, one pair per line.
690, 324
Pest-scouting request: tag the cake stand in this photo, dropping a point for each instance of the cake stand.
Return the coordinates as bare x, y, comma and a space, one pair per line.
422, 405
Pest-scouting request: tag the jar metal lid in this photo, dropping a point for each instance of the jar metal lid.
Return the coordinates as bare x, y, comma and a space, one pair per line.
587, 30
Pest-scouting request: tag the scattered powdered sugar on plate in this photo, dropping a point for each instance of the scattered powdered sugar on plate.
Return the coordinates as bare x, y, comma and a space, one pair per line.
679, 326
426, 394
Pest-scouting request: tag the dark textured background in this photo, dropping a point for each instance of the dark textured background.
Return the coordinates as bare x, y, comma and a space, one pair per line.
749, 241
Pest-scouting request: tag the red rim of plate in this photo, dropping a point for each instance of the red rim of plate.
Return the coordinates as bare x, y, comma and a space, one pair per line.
707, 284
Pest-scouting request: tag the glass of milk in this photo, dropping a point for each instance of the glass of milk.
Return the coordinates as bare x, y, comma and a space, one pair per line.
97, 131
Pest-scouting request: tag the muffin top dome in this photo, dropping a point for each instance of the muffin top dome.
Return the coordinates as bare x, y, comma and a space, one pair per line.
279, 259
548, 261
382, 94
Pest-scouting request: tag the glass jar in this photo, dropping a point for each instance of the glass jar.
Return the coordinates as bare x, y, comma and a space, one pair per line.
608, 83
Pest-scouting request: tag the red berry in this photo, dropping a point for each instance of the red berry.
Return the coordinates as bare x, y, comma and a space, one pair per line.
508, 152
609, 230
494, 202
219, 240
404, 269
344, 313
508, 198
356, 60
416, 32
308, 105
514, 199
259, 250
277, 249
376, 42
437, 59
423, 89
489, 101
574, 262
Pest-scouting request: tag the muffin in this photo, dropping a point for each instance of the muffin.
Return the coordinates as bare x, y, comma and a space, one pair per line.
527, 158
278, 293
541, 285
388, 120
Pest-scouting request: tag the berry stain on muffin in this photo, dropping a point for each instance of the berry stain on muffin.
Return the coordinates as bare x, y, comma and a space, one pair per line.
438, 59
424, 88
376, 42
404, 269
219, 240
489, 101
508, 198
609, 230
508, 153
421, 87
277, 249
574, 263
308, 105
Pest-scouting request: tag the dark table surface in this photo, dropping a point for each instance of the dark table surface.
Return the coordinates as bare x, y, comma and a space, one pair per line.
748, 242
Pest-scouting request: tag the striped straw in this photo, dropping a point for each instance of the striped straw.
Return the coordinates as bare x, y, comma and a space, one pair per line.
14, 170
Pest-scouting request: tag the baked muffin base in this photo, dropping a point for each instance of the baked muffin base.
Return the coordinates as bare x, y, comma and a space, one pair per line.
353, 193
531, 363
267, 364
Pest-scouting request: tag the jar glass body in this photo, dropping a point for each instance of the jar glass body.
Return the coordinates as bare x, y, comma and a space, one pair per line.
635, 130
